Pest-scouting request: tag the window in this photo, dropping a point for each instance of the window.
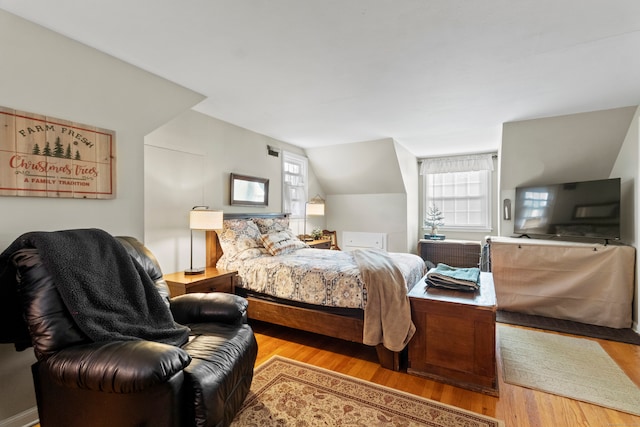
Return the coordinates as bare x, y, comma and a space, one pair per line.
294, 184
461, 188
462, 197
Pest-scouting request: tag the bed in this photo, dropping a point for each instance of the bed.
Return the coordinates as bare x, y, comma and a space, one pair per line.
285, 283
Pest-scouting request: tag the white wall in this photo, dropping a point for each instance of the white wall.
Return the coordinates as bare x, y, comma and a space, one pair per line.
577, 147
213, 148
370, 186
626, 167
410, 176
368, 167
376, 213
187, 163
45, 73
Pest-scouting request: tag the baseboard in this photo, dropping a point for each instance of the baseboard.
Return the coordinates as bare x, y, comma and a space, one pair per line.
23, 419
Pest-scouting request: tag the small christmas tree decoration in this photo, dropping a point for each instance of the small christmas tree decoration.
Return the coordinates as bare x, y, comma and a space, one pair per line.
434, 219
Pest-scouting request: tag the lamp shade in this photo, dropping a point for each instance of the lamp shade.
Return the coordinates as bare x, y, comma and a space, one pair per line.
205, 220
315, 208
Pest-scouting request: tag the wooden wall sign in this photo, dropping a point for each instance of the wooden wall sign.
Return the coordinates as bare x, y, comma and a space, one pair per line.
47, 157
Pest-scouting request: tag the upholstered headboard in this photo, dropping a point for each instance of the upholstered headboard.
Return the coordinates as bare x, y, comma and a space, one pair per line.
214, 251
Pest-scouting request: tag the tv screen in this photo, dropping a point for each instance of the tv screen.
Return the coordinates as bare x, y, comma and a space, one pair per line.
588, 209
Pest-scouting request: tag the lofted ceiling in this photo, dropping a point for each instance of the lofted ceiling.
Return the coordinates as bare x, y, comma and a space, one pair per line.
437, 76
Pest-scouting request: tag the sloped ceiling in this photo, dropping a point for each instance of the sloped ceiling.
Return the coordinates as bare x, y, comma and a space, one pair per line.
566, 148
437, 76
369, 167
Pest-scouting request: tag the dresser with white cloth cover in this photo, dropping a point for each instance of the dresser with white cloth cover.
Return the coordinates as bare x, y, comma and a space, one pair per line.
584, 282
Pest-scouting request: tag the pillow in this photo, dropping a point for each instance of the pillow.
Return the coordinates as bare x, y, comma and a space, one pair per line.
250, 253
238, 235
272, 225
282, 242
234, 262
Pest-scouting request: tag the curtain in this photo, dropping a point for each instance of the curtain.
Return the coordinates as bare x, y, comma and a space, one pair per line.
473, 162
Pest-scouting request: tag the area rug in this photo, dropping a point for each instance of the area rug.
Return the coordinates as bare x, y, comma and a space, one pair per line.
285, 392
626, 335
577, 368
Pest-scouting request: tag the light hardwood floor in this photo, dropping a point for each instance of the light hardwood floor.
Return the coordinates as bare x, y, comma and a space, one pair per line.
517, 406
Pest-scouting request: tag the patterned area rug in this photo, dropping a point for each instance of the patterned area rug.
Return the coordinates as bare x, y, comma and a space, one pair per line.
577, 368
285, 392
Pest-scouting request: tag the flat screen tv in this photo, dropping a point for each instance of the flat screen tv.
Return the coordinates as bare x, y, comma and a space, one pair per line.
586, 209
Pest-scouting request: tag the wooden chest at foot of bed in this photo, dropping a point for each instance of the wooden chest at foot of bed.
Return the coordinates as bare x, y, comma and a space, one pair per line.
455, 339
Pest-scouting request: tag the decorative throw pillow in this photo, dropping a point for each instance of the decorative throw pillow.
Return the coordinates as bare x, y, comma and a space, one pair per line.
272, 225
282, 242
234, 262
238, 235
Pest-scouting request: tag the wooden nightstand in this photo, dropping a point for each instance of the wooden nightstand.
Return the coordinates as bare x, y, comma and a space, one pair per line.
320, 244
212, 280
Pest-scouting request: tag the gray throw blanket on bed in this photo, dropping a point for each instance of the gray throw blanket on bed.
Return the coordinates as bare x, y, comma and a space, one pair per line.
107, 292
387, 314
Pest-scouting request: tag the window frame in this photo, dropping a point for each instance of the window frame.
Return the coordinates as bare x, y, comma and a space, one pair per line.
303, 162
485, 177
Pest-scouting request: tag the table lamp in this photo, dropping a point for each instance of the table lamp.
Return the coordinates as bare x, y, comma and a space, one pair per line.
200, 218
315, 207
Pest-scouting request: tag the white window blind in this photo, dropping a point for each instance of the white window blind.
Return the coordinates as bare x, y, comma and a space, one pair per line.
294, 184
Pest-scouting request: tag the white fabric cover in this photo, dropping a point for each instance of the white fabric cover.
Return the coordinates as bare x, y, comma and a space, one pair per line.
471, 162
588, 283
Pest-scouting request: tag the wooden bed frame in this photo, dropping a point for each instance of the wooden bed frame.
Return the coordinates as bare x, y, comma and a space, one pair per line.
306, 319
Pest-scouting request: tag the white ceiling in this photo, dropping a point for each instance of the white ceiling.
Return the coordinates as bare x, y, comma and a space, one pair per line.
438, 76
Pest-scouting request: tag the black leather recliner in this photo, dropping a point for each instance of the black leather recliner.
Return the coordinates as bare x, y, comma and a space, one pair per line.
79, 382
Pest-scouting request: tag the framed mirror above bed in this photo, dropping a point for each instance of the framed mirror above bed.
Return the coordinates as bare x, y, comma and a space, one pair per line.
249, 190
